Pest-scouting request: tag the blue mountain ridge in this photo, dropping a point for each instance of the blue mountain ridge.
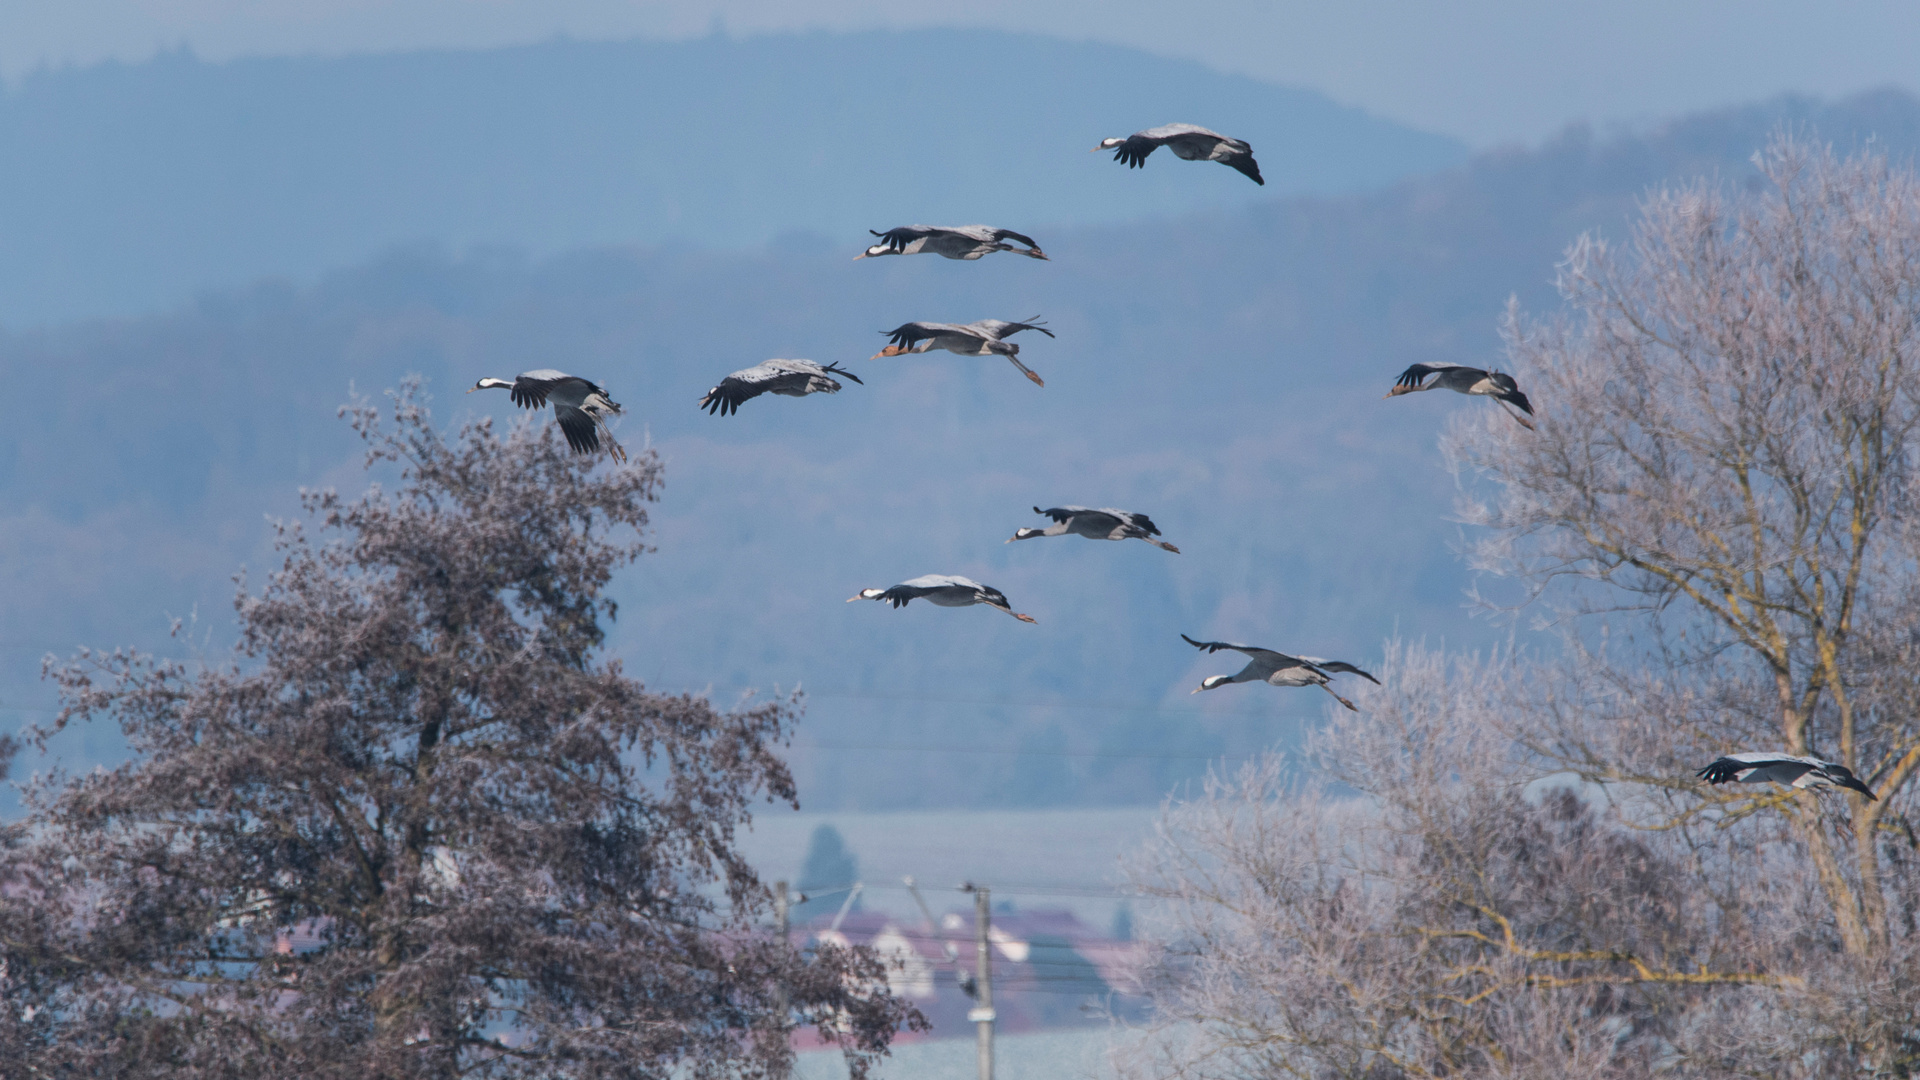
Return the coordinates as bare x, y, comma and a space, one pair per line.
126, 187
1219, 369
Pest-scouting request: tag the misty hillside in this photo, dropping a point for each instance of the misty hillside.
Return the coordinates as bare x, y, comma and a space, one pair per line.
126, 187
1220, 370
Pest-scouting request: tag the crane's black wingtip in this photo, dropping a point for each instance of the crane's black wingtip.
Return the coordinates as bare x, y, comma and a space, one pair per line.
1719, 771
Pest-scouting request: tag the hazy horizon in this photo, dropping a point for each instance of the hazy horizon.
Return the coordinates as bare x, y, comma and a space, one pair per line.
1489, 73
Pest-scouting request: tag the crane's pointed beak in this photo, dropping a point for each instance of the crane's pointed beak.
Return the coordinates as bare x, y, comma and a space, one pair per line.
471, 389
891, 350
1197, 689
856, 596
860, 256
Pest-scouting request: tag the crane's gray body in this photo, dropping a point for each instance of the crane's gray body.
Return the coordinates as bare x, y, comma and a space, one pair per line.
986, 337
967, 242
1105, 523
944, 590
788, 378
1461, 379
1798, 771
1189, 142
579, 405
1278, 668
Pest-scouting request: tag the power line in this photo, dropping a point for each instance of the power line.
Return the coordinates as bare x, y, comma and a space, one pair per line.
907, 748
1155, 708
1027, 889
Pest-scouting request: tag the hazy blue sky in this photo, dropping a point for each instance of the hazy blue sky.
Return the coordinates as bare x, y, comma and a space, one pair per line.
1486, 71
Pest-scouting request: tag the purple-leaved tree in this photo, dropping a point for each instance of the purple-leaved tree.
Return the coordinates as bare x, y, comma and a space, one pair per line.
415, 828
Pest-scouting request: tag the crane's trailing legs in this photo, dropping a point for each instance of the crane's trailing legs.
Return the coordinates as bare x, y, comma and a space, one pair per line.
1338, 698
1025, 370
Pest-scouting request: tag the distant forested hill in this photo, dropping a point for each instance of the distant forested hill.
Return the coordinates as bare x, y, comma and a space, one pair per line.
1220, 370
125, 187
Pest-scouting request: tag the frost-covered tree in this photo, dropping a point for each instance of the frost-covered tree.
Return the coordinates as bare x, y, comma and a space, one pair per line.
1723, 481
1427, 900
416, 827
1518, 873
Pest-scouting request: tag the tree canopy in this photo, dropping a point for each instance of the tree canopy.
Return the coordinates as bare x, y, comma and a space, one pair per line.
414, 826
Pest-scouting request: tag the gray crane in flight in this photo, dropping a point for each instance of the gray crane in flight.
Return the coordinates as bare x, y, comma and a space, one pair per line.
945, 590
579, 405
1278, 669
1189, 142
788, 378
984, 338
1466, 380
1102, 524
953, 241
1789, 769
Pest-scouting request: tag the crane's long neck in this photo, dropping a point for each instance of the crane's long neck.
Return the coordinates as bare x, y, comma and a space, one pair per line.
493, 384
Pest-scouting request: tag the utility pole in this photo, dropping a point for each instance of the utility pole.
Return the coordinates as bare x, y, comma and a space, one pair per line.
781, 1070
982, 1014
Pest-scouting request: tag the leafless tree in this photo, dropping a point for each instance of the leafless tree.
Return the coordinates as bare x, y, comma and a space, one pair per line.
1731, 411
1438, 917
414, 828
1517, 873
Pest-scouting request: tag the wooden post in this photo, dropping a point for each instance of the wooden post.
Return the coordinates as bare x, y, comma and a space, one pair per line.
982, 1015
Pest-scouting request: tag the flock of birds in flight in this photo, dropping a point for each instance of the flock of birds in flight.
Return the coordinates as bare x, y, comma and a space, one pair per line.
582, 409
